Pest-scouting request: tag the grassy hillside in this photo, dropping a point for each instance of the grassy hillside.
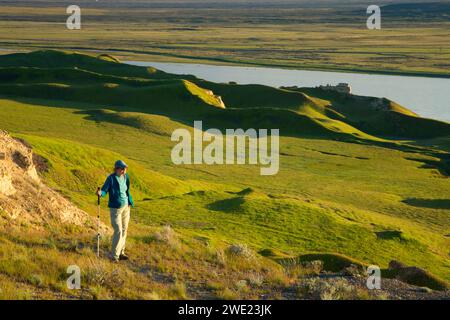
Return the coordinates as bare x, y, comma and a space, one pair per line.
67, 59
81, 78
380, 117
342, 194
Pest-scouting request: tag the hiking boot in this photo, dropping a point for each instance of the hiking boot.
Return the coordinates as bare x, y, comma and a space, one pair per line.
114, 259
123, 257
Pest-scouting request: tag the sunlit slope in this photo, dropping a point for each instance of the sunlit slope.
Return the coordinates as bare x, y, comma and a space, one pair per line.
76, 169
331, 196
291, 224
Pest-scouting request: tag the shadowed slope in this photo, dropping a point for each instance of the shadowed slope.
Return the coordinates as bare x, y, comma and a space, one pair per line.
176, 96
57, 75
379, 117
66, 59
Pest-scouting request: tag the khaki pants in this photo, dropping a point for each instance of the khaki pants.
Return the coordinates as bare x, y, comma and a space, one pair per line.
119, 221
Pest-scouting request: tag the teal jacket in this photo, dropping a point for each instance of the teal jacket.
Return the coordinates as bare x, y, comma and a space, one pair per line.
111, 186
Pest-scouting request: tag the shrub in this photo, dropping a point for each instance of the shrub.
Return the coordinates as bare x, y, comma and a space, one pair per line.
178, 291
167, 235
227, 294
315, 266
255, 279
241, 250
326, 289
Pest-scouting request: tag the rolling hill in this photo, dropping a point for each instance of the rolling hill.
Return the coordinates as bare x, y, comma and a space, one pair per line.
362, 181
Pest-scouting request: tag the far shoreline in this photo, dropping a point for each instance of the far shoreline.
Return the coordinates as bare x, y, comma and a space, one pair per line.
144, 56
202, 61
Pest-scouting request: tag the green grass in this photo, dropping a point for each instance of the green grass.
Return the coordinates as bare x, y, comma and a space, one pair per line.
287, 224
338, 187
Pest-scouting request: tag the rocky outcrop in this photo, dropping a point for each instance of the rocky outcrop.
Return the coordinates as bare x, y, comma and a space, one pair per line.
24, 198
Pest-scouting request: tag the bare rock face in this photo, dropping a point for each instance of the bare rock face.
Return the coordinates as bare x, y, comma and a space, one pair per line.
218, 98
6, 186
25, 198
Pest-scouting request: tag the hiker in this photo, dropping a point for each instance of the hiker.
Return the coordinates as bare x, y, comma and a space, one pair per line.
120, 201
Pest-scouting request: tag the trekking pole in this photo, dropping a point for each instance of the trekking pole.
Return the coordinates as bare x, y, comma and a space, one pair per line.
98, 222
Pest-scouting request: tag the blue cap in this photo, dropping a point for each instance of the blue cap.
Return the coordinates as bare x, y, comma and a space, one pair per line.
120, 164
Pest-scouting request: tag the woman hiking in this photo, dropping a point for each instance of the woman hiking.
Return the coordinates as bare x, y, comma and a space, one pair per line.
120, 201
